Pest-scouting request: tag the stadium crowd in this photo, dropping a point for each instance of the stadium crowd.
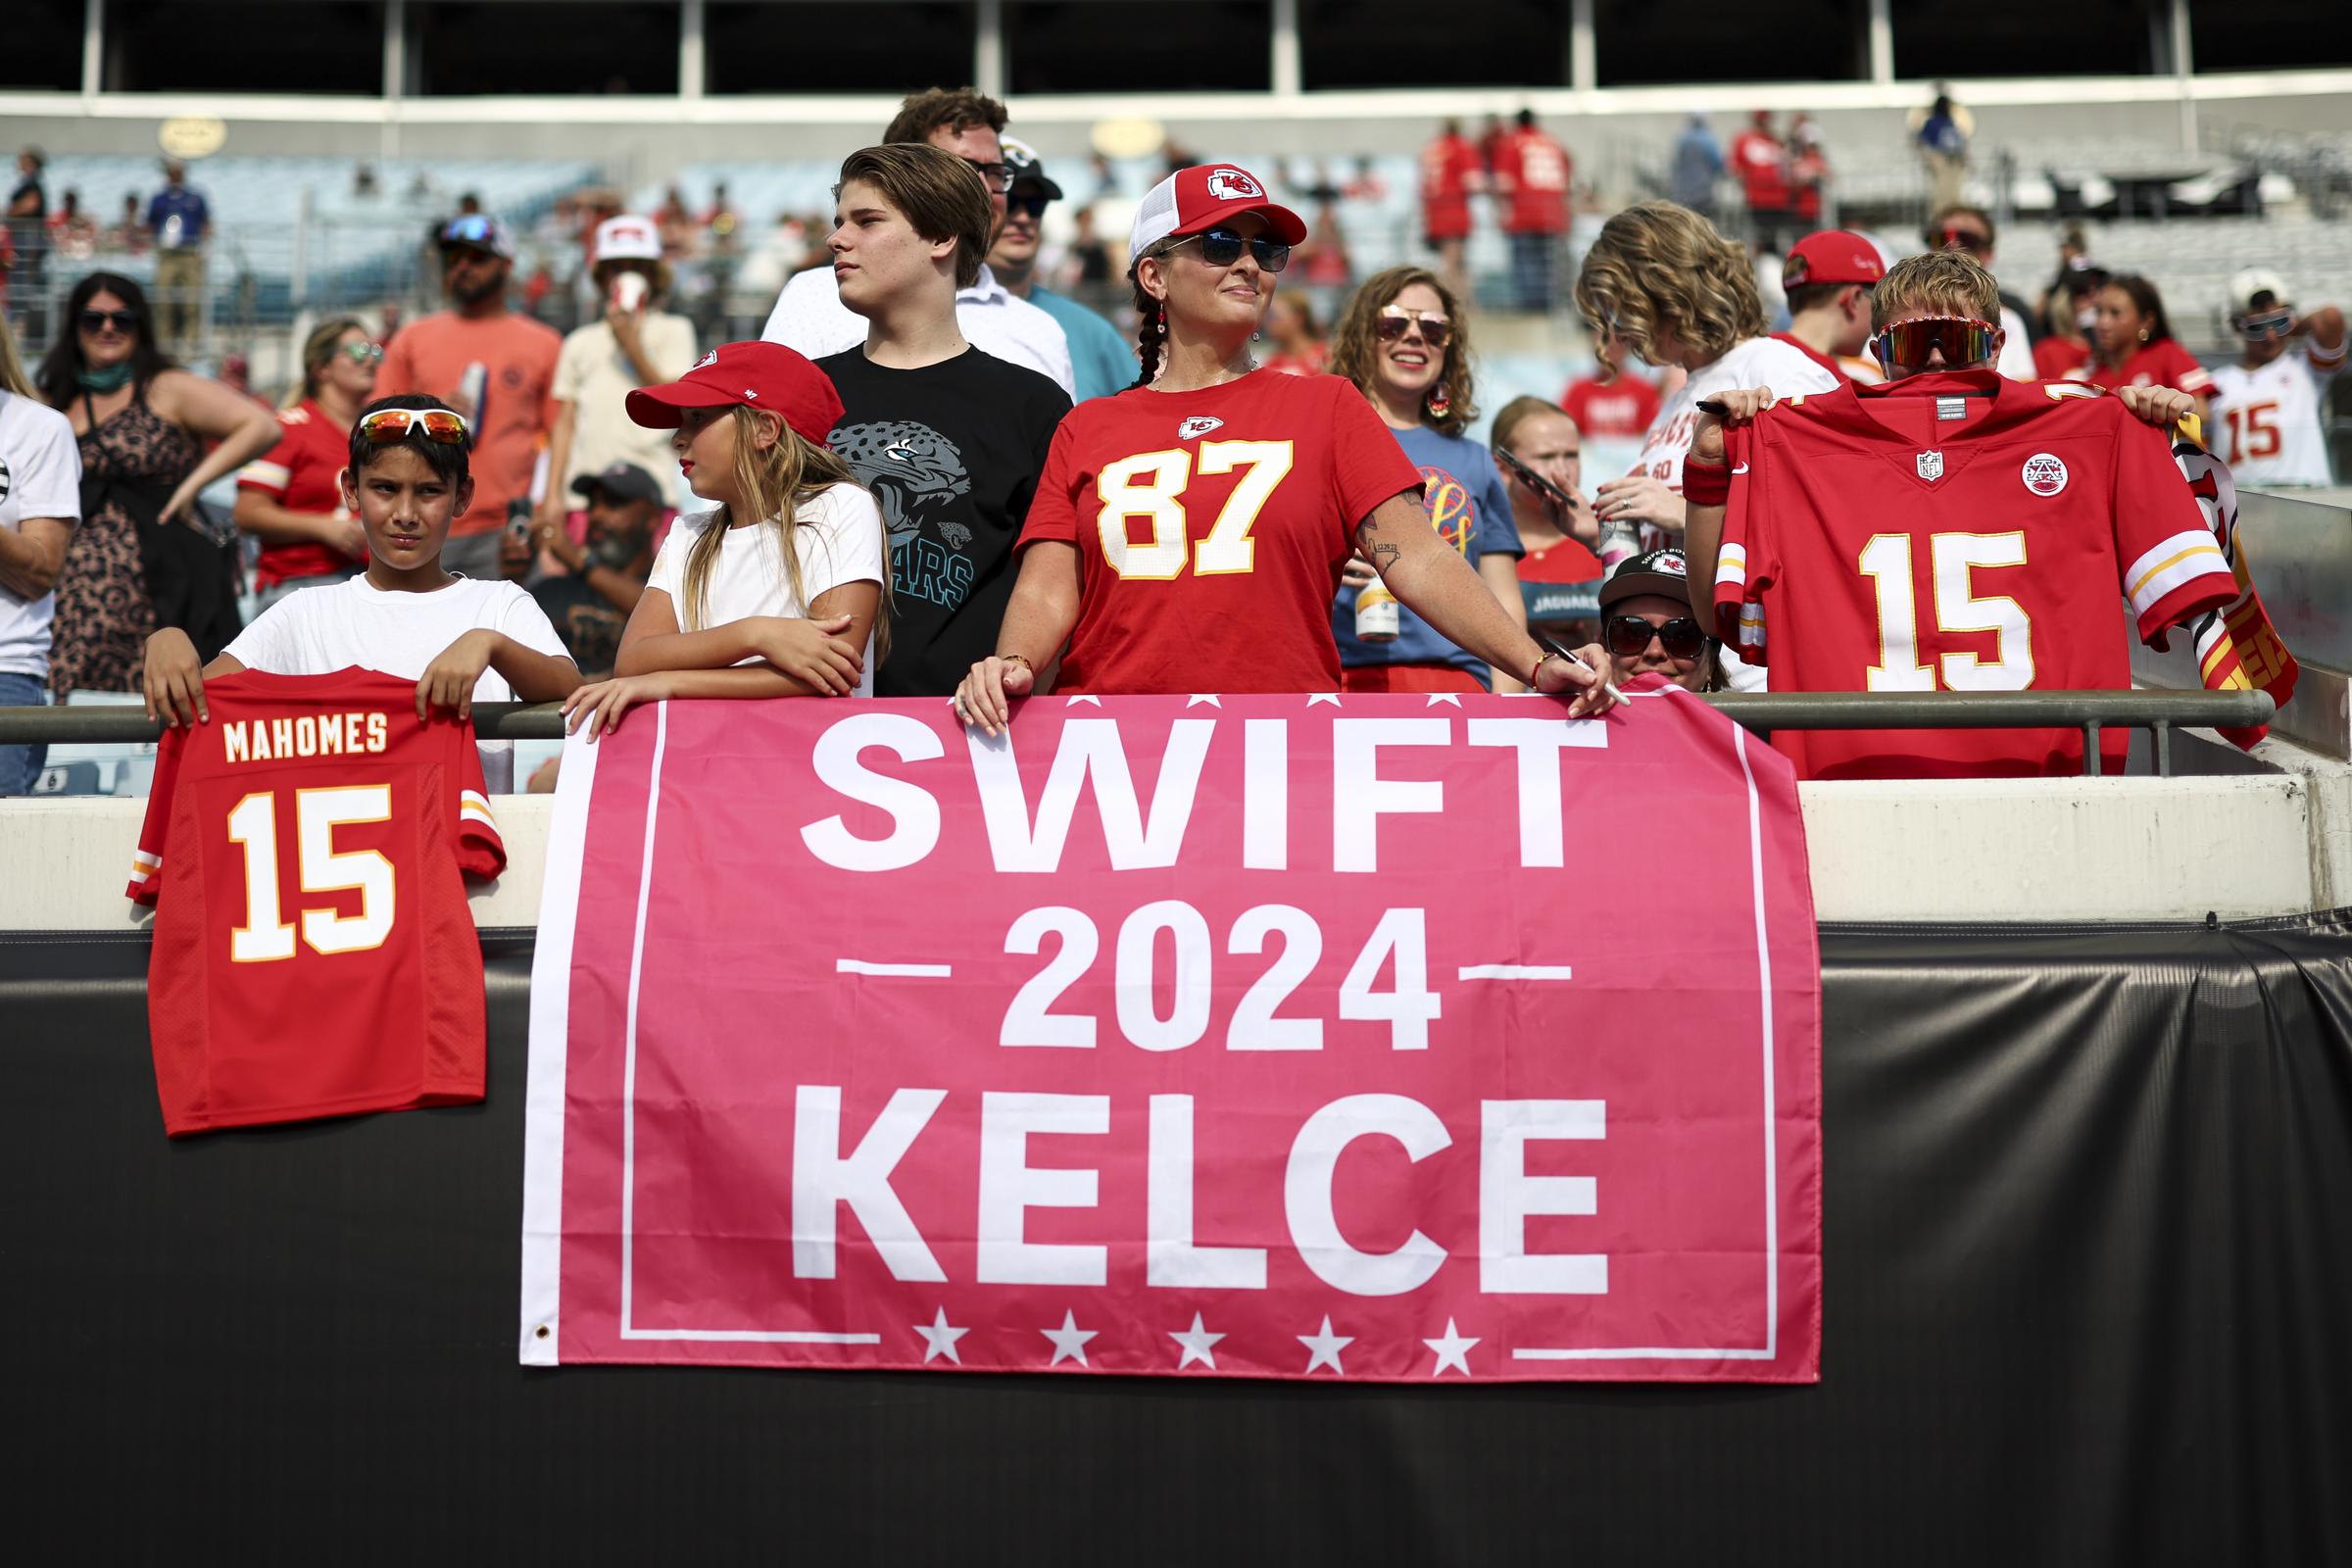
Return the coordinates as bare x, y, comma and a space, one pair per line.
941, 473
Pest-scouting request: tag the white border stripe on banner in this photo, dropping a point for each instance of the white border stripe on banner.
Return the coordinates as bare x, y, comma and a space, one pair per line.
1514, 972
911, 971
628, 1079
1772, 1215
550, 1043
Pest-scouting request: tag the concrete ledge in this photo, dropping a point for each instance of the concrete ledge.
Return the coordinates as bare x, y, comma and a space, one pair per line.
1986, 850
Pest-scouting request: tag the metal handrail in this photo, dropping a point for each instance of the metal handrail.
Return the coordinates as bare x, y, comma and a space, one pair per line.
2158, 711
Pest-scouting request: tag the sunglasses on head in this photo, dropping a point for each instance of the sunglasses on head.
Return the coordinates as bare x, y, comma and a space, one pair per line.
387, 425
1222, 247
997, 177
1395, 320
1964, 341
2269, 323
363, 353
100, 321
1962, 239
1628, 635
1030, 206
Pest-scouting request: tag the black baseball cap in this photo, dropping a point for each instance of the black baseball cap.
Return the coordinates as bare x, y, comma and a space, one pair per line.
1653, 571
622, 481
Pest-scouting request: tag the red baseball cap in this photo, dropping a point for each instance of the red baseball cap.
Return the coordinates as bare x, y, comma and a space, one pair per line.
1833, 256
757, 375
1197, 198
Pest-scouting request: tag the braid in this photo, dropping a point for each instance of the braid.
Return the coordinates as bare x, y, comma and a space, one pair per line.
1149, 334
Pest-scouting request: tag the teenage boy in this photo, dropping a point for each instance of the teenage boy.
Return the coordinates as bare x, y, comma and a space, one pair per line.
949, 439
1827, 279
812, 318
461, 639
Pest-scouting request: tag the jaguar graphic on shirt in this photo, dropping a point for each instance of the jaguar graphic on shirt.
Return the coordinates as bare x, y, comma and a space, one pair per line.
917, 475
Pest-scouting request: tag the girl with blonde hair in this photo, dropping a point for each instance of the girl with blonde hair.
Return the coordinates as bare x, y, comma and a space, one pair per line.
289, 497
782, 589
1404, 342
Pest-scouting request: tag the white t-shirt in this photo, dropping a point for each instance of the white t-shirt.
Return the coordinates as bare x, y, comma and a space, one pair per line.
839, 536
2265, 421
356, 624
596, 379
811, 318
40, 476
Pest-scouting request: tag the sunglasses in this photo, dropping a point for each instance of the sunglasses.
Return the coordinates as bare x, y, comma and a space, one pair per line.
1963, 340
1962, 239
1628, 635
2271, 324
1222, 247
996, 177
1395, 322
363, 353
125, 321
388, 425
1026, 205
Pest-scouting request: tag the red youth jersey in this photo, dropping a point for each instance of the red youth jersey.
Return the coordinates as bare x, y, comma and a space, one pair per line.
1955, 532
1534, 169
2163, 362
299, 474
1450, 170
1612, 411
1211, 529
314, 955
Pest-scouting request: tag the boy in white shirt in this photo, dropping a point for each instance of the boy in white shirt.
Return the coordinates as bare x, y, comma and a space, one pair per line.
462, 641
2267, 420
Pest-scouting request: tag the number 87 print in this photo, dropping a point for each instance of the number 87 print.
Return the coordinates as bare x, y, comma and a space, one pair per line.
1152, 485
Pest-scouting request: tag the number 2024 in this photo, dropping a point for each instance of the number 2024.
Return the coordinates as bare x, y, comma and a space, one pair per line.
1399, 939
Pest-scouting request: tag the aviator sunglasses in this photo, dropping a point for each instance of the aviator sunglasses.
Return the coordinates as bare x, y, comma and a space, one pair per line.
1222, 247
125, 321
387, 425
1964, 340
1395, 320
1680, 637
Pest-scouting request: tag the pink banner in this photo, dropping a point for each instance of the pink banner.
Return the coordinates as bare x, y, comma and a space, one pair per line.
1397, 1037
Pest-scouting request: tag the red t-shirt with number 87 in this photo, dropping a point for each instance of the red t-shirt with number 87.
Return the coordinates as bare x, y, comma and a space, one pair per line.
1211, 529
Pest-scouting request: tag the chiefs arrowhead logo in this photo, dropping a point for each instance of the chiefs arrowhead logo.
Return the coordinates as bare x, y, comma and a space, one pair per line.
1198, 424
711, 358
1231, 185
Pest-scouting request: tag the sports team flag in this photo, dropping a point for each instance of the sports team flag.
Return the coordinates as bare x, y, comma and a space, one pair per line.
2238, 648
1325, 1037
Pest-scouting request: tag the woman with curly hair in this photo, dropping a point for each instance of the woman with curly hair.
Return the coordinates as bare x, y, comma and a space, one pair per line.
1662, 284
1188, 533
1405, 344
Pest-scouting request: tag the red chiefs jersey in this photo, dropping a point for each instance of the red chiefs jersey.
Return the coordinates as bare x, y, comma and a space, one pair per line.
299, 474
1211, 527
314, 955
1449, 171
1533, 169
2163, 362
1955, 532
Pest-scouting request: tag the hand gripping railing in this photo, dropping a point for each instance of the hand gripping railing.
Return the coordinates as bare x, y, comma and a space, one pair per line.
2158, 711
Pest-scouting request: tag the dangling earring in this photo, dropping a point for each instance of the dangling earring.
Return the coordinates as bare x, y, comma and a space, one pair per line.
2144, 334
1439, 404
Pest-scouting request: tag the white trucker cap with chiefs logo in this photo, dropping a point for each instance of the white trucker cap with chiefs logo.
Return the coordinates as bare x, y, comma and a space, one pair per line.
1200, 197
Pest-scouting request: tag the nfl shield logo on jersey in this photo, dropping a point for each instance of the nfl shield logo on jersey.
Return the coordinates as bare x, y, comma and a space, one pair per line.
1930, 465
2045, 473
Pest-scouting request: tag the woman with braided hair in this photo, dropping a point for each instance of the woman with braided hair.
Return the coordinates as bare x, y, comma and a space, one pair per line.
1188, 534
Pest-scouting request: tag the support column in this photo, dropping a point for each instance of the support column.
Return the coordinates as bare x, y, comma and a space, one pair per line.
1584, 56
93, 47
988, 50
692, 58
2185, 70
1882, 41
395, 76
1289, 71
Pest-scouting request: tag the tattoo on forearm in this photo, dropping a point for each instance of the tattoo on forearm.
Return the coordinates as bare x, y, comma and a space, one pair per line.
1383, 557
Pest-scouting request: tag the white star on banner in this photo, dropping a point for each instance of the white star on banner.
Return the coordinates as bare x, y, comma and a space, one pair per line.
939, 1339
1453, 1350
1333, 698
1197, 1342
1070, 1340
1198, 698
1451, 699
1326, 1346
1075, 701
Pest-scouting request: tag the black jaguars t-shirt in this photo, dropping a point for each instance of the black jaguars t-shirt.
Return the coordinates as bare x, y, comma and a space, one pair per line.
952, 452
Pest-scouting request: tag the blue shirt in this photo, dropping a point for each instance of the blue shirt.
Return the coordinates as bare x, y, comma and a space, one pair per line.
183, 203
1472, 512
1100, 360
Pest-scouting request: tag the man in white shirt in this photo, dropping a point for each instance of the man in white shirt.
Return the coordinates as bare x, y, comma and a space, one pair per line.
2266, 409
40, 504
809, 316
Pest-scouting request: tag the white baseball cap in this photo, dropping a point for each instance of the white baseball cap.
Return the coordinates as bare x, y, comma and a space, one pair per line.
1193, 199
627, 238
2252, 281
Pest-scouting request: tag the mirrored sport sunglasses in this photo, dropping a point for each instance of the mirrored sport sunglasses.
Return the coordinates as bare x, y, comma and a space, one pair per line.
1222, 247
388, 425
1964, 340
2268, 323
1395, 322
1628, 635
